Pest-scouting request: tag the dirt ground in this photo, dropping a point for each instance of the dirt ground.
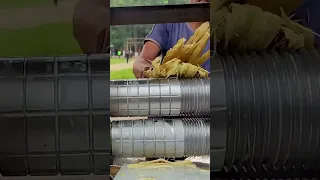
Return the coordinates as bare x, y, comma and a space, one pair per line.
120, 66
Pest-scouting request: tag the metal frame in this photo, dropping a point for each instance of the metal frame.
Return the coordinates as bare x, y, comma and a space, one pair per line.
160, 14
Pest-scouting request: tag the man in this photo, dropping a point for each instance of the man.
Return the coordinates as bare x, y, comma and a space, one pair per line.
162, 38
119, 53
127, 56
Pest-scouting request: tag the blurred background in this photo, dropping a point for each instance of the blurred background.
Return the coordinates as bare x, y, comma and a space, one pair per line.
51, 27
37, 28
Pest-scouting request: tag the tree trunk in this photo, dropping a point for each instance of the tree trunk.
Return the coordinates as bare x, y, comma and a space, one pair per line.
135, 36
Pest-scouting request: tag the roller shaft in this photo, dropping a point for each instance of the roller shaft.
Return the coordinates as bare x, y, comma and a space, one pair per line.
54, 84
271, 119
160, 97
161, 137
273, 110
54, 115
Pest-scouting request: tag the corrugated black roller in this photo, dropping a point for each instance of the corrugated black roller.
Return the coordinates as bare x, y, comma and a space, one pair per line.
54, 115
273, 105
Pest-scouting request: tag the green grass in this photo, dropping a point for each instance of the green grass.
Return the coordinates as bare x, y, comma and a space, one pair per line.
45, 40
118, 61
5, 4
122, 74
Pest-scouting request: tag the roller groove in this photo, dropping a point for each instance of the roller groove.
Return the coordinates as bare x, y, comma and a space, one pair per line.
161, 137
273, 100
160, 97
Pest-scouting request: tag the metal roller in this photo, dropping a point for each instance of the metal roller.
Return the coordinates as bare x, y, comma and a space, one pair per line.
160, 97
272, 117
264, 115
157, 138
54, 84
54, 115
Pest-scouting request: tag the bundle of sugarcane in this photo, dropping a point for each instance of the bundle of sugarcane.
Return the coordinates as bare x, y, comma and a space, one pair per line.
272, 6
244, 27
184, 60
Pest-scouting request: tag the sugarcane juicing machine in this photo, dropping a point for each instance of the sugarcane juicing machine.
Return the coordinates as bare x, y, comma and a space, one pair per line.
55, 110
256, 116
72, 132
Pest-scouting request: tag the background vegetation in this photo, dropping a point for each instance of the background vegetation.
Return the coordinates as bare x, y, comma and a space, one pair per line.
51, 39
119, 34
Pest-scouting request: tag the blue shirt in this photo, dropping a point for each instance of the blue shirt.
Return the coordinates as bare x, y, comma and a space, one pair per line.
167, 35
309, 14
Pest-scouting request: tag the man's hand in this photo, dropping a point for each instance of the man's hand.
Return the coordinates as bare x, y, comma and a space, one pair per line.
149, 52
139, 66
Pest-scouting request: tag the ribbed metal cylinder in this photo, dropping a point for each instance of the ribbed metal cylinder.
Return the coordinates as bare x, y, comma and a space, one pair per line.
159, 97
273, 101
156, 138
54, 115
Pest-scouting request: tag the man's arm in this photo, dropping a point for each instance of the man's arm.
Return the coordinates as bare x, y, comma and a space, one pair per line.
154, 43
